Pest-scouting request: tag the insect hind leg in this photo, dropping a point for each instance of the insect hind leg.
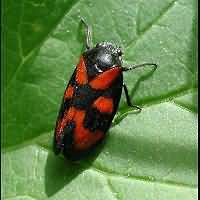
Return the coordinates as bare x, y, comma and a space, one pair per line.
88, 34
129, 101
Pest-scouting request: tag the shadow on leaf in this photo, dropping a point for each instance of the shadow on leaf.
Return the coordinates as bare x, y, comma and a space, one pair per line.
60, 171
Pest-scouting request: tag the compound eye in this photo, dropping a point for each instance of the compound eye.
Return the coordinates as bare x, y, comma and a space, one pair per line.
98, 45
119, 52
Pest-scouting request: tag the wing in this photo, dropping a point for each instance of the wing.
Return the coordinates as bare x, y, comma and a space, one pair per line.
90, 118
103, 109
87, 110
79, 77
64, 108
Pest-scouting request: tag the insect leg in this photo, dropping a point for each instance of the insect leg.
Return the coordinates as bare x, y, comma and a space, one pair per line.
128, 99
140, 65
87, 34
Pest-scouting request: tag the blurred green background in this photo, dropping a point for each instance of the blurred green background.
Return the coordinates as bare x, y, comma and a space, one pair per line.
151, 155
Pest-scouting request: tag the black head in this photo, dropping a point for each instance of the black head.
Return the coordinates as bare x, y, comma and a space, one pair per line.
105, 55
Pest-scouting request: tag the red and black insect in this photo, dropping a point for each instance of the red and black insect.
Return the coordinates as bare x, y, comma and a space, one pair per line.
91, 99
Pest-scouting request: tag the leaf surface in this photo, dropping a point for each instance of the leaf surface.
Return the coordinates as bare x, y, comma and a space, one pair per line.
150, 155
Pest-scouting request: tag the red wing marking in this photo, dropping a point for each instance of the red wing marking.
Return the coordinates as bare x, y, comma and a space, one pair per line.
69, 92
83, 137
68, 116
81, 72
58, 130
104, 104
103, 80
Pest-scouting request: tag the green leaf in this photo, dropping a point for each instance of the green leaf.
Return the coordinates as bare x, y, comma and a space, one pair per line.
150, 155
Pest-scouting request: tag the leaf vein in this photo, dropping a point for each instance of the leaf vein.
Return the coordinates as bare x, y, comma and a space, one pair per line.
109, 173
32, 51
155, 21
112, 190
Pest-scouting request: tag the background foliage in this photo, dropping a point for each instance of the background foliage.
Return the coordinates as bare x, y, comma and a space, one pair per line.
151, 155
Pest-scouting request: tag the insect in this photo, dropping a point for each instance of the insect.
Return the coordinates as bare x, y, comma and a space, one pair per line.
91, 99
